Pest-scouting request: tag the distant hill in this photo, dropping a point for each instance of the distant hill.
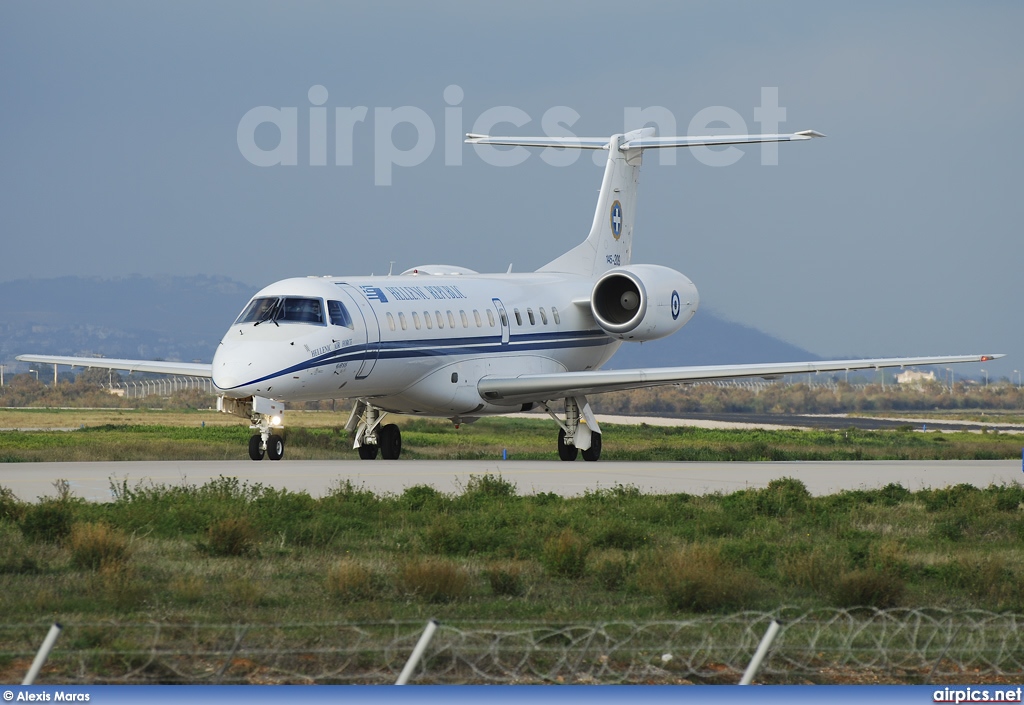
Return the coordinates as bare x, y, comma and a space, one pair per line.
183, 318
171, 318
709, 340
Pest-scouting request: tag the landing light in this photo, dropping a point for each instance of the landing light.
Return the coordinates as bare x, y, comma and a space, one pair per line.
275, 420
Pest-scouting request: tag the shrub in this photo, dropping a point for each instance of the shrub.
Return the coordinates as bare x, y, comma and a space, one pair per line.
14, 554
488, 486
506, 579
417, 497
434, 580
619, 534
10, 508
696, 579
612, 569
349, 580
234, 536
446, 536
782, 497
49, 520
95, 545
120, 584
815, 570
868, 587
566, 554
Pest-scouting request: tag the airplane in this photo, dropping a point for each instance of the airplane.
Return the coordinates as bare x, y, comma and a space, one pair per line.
446, 341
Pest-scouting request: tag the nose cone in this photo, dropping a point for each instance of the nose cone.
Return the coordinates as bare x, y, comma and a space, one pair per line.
232, 368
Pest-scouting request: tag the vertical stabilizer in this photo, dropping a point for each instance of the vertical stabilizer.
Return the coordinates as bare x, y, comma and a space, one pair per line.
610, 242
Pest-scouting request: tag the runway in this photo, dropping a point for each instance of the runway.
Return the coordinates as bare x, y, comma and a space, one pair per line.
91, 481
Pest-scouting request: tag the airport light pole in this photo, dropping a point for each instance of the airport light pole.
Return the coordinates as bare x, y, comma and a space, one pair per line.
985, 372
1016, 372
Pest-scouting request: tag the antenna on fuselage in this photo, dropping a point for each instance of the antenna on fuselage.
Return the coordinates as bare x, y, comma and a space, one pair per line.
509, 271
391, 267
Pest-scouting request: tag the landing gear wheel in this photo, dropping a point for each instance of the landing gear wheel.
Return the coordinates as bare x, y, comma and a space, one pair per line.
275, 447
566, 452
255, 452
367, 451
594, 451
390, 442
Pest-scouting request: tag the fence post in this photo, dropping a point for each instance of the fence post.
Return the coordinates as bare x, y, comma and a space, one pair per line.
762, 651
417, 653
44, 652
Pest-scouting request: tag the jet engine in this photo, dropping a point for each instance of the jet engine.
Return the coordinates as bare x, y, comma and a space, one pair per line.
643, 302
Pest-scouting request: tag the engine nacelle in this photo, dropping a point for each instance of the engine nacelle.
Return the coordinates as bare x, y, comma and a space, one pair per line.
643, 302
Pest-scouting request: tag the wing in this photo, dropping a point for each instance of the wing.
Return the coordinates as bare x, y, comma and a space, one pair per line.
187, 369
527, 388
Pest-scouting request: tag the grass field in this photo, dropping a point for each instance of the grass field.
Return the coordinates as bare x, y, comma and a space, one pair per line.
203, 435
227, 552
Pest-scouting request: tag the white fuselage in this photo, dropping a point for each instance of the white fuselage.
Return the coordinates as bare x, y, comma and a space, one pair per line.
416, 343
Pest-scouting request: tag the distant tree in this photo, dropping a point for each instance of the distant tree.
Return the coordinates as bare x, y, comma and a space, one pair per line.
97, 377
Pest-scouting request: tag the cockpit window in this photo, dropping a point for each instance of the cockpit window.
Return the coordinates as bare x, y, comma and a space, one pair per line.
289, 309
257, 310
339, 314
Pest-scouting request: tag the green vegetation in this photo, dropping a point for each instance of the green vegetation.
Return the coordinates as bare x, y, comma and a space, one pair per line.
229, 552
815, 399
524, 439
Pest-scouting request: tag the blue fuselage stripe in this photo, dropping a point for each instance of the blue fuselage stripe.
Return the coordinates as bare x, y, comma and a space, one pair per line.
439, 347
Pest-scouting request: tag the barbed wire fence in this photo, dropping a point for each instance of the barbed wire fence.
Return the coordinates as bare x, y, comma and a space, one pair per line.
818, 646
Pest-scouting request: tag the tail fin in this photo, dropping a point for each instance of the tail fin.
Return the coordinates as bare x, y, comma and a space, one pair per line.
610, 242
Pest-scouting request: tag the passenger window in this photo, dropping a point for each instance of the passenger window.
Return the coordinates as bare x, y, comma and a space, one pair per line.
339, 314
426, 319
529, 314
476, 318
391, 321
440, 321
401, 320
554, 314
543, 316
416, 320
504, 318
519, 317
451, 320
465, 319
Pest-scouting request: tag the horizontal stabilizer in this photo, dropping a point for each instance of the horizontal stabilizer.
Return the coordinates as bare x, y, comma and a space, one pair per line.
641, 139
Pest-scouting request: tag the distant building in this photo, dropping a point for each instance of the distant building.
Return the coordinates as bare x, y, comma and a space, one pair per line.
914, 377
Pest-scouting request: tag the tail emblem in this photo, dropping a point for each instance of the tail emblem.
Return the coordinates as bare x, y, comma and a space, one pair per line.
616, 217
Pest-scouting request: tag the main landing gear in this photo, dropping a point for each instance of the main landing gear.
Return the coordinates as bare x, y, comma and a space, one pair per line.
371, 437
575, 438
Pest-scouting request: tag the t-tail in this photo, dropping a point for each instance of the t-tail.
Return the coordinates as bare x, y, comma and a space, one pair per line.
610, 242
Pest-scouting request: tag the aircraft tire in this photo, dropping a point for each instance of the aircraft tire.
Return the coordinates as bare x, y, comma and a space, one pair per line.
255, 452
275, 447
566, 452
390, 442
367, 451
594, 451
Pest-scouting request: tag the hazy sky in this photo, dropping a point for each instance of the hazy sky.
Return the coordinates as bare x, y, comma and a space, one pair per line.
898, 234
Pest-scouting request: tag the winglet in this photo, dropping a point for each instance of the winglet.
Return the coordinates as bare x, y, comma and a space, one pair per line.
809, 133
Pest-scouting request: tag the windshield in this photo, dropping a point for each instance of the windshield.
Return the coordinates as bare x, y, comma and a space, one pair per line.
287, 309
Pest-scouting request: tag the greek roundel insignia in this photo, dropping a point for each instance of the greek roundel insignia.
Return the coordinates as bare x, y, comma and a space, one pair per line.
616, 219
675, 305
